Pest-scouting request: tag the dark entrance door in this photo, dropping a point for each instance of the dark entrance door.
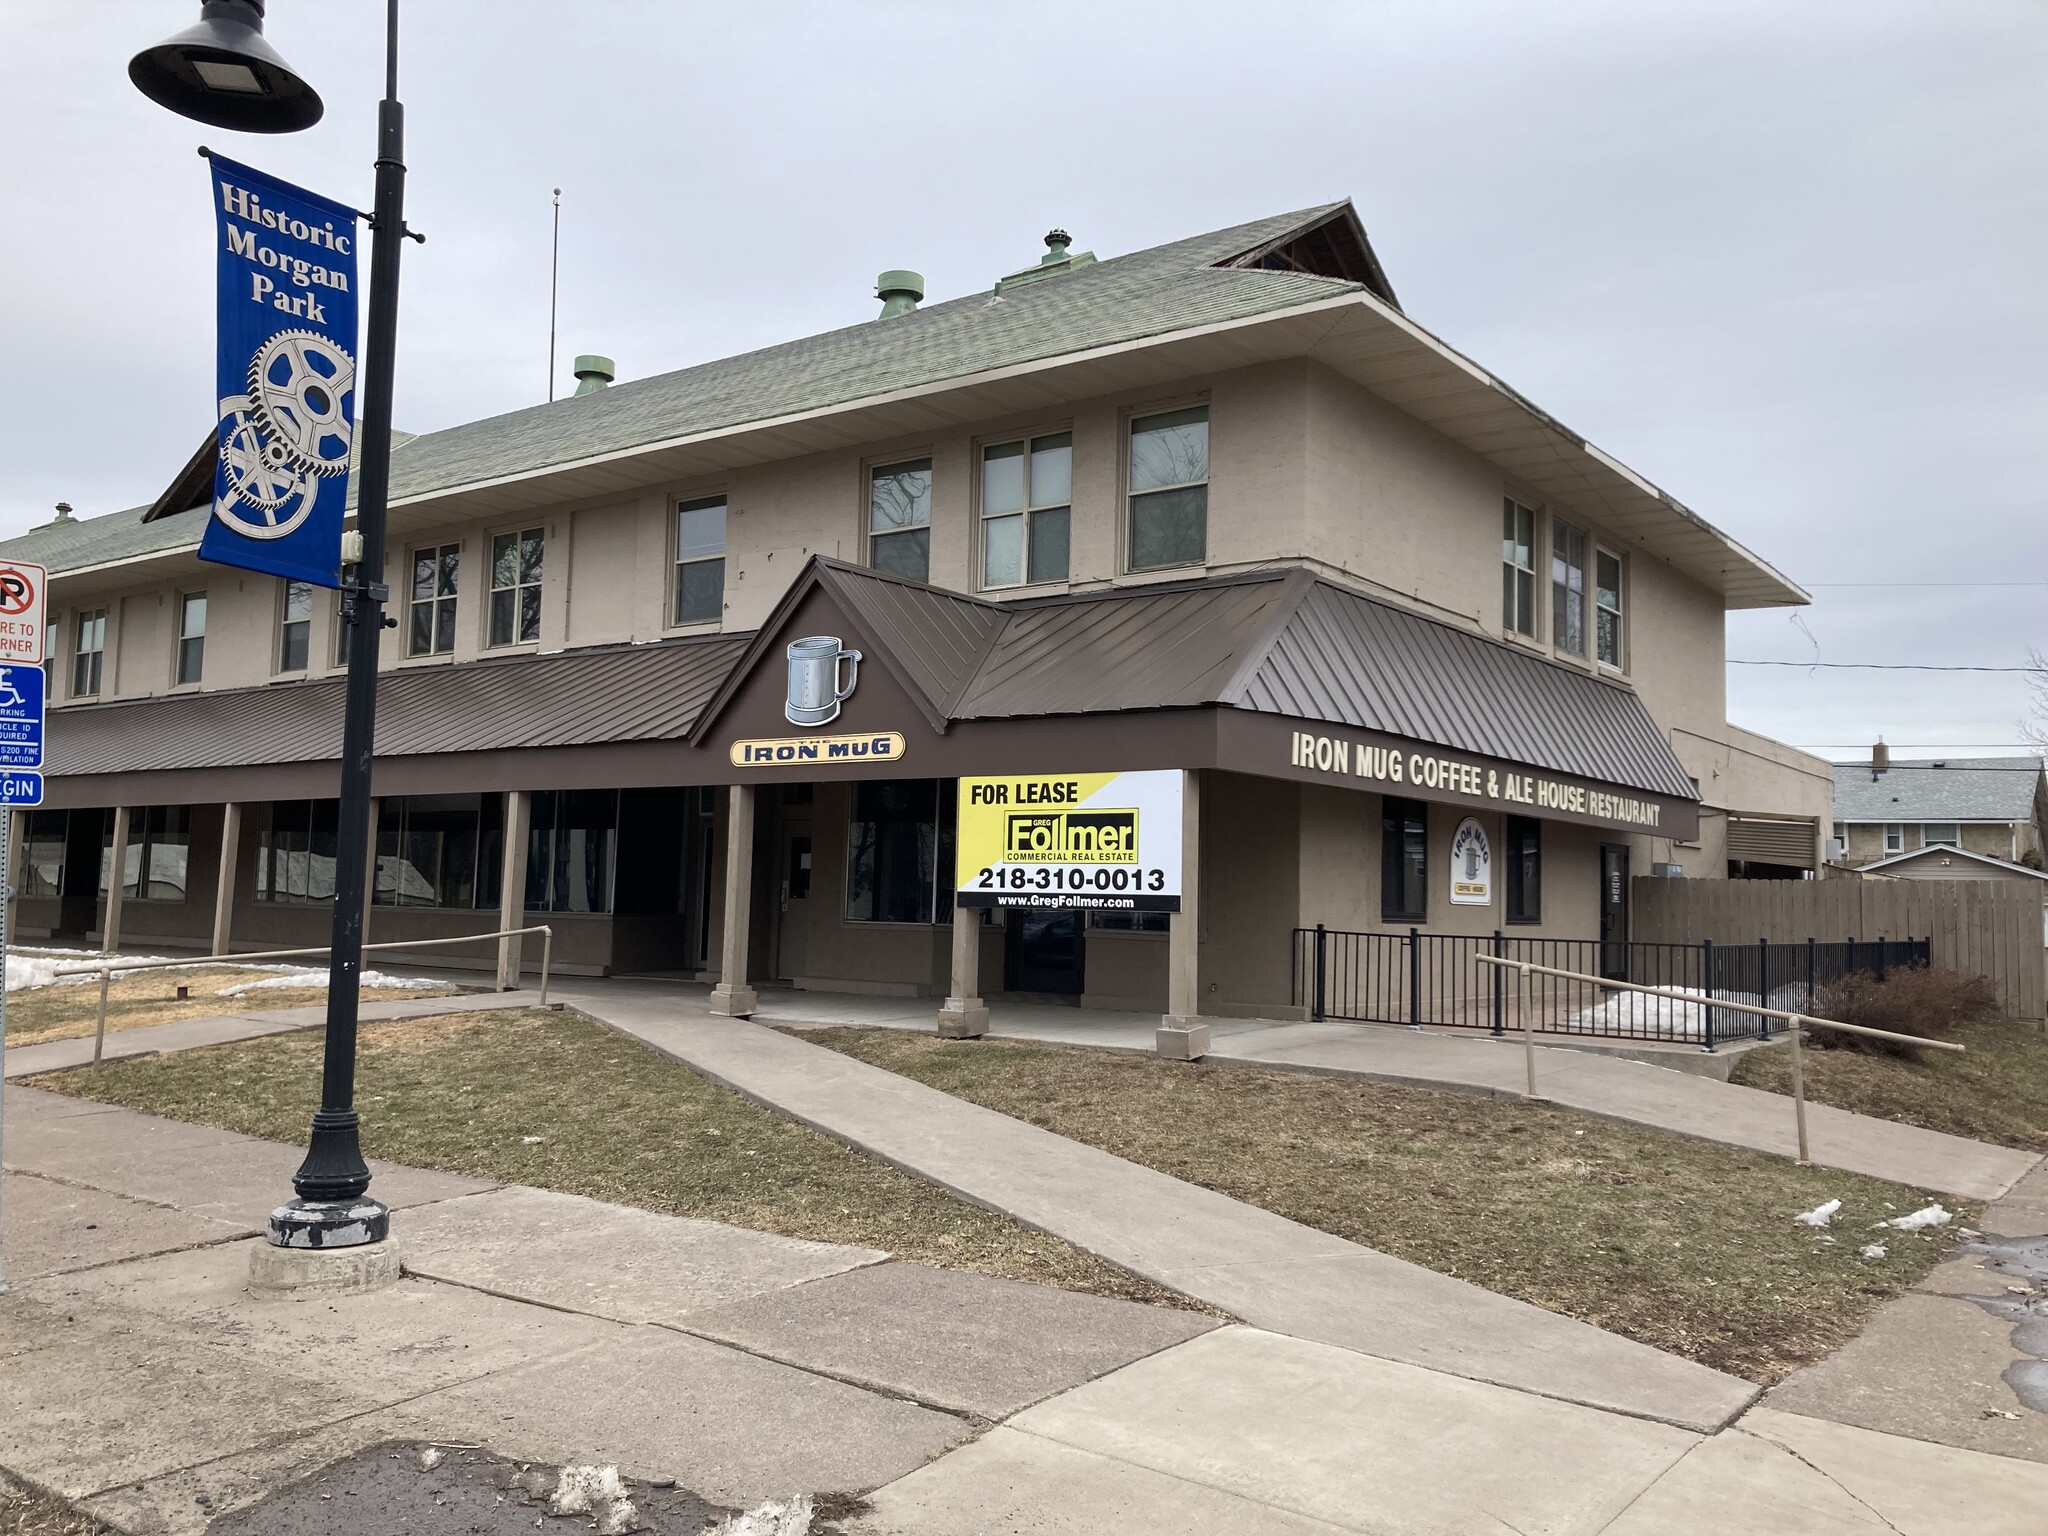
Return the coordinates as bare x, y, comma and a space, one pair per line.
1614, 911
78, 909
1044, 951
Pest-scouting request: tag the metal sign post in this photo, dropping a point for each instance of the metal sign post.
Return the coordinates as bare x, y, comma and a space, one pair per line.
21, 749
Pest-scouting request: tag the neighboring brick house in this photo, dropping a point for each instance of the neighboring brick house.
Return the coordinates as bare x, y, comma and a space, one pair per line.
1993, 806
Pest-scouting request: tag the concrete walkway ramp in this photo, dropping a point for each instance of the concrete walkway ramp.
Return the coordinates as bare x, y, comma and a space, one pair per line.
1274, 1273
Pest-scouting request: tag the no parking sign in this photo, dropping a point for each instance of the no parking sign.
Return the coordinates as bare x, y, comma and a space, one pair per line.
21, 612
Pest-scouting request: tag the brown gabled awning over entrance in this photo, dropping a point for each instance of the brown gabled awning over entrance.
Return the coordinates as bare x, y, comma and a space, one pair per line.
1279, 674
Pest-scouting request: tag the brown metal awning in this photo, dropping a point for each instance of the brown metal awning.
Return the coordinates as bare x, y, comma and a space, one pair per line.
1233, 673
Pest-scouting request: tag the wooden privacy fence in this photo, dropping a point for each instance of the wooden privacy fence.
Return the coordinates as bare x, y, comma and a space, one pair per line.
1987, 928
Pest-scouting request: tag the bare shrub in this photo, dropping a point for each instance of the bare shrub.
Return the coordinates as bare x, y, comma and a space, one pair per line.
1921, 1000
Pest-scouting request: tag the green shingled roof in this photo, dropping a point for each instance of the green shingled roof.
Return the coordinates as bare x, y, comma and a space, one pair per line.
1127, 298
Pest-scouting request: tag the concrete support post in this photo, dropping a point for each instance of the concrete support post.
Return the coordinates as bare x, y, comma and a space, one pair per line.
224, 886
512, 884
1182, 1036
964, 1016
117, 874
732, 996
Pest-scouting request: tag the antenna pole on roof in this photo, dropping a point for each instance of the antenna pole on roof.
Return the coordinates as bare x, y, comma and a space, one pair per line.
554, 291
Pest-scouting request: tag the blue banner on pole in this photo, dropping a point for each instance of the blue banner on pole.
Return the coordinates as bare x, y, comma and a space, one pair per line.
287, 376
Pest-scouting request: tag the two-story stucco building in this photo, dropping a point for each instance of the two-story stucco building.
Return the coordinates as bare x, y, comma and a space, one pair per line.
1219, 507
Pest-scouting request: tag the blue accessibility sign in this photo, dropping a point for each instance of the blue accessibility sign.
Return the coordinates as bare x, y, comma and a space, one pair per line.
21, 717
21, 788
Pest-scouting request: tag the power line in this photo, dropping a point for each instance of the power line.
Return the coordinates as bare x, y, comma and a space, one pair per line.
1926, 584
1874, 666
1915, 746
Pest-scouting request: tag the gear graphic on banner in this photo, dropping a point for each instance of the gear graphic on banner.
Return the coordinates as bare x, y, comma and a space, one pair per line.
298, 381
286, 435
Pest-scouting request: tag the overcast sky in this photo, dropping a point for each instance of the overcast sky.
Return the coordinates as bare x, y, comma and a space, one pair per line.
1784, 260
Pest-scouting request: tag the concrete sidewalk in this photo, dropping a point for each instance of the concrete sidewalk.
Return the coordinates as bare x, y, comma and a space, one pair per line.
1272, 1272
1635, 1092
141, 1379
189, 1034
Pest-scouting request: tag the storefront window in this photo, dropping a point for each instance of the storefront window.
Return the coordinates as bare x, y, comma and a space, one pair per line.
1404, 860
295, 852
1525, 869
430, 849
898, 839
42, 863
571, 850
1131, 922
159, 838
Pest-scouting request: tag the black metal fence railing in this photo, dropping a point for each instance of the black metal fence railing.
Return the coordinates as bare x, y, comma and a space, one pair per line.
1418, 978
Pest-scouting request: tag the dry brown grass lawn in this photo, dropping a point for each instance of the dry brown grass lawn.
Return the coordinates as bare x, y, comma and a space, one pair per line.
24, 1512
615, 1121
1997, 1090
1680, 1244
69, 1010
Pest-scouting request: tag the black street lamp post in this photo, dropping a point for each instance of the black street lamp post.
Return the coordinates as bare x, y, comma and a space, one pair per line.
222, 72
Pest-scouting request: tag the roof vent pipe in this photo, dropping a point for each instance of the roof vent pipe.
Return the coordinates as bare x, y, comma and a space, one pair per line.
1880, 757
63, 513
1056, 243
900, 291
594, 373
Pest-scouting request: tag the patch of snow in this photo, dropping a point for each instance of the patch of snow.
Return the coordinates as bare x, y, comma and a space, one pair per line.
28, 969
533, 1141
1820, 1215
430, 1458
775, 1518
316, 976
1669, 1018
1872, 1251
1926, 1216
599, 1493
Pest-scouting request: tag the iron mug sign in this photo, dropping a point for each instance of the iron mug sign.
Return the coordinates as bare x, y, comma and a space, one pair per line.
815, 694
1471, 866
285, 376
1107, 842
22, 636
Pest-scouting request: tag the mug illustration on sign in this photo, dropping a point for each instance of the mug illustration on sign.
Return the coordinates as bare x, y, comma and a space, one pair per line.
814, 691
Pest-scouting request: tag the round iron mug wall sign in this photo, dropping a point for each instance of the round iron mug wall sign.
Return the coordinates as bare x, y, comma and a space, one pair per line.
815, 692
1471, 866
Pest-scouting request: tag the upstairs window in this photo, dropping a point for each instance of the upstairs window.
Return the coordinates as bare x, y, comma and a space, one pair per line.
900, 519
295, 626
1894, 837
1404, 860
1607, 609
515, 586
700, 561
430, 606
1170, 489
88, 652
1026, 491
1941, 834
1567, 587
1517, 568
191, 636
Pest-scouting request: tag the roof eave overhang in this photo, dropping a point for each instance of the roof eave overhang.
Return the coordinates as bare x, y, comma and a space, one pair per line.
1353, 333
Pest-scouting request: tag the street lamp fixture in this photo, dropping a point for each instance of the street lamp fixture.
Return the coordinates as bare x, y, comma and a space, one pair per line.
223, 73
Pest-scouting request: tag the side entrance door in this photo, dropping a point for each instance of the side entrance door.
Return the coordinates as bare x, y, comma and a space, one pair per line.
793, 900
1614, 911
1043, 951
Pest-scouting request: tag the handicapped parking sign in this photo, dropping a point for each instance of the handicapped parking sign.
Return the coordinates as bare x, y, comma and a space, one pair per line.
21, 716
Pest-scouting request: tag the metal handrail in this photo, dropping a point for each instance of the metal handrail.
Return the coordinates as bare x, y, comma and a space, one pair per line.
1795, 1025
105, 970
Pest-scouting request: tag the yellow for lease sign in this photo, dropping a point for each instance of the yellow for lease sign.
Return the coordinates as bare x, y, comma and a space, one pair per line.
1101, 841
